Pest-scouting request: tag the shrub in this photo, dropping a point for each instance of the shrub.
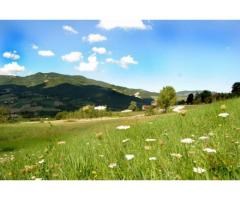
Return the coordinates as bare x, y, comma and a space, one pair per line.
167, 97
4, 114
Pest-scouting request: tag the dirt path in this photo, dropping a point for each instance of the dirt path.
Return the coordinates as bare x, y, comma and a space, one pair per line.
89, 120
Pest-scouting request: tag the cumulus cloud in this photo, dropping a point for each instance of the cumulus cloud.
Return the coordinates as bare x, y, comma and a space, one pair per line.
95, 38
11, 69
11, 55
69, 29
123, 62
124, 24
46, 53
89, 66
73, 56
99, 50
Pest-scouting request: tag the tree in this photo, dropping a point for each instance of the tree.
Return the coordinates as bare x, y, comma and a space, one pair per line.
190, 99
132, 106
206, 96
236, 88
167, 97
4, 114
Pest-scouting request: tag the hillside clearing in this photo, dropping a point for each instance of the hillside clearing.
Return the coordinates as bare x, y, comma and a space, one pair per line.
199, 145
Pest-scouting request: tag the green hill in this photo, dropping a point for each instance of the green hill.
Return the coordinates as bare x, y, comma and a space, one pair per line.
46, 94
54, 79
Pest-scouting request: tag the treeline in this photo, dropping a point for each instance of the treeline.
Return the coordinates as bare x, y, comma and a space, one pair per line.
88, 111
207, 96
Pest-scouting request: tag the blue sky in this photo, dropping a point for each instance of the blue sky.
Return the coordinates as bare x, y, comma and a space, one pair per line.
189, 55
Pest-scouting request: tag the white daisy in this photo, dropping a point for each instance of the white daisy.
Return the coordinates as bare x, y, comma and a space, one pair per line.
152, 158
129, 156
187, 141
150, 140
176, 155
224, 115
203, 138
125, 140
112, 165
122, 127
61, 142
199, 170
41, 161
209, 150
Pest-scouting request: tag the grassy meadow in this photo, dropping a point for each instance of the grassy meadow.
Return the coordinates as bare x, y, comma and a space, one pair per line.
197, 146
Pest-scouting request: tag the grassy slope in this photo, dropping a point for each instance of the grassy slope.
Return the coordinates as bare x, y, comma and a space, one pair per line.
79, 157
54, 79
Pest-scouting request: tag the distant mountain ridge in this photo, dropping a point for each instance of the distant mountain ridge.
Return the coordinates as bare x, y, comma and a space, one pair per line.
46, 94
54, 79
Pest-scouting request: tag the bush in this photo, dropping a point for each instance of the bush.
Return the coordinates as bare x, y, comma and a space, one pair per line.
190, 99
236, 89
149, 111
4, 114
84, 112
167, 97
133, 106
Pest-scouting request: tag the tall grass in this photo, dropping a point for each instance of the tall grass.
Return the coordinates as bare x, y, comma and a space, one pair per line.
90, 147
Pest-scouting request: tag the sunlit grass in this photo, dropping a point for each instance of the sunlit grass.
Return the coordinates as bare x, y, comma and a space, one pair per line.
150, 149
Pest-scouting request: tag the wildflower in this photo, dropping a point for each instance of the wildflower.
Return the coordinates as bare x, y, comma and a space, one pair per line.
161, 142
203, 138
211, 134
41, 161
28, 168
209, 150
176, 155
152, 158
199, 170
150, 140
122, 127
61, 142
187, 140
125, 140
147, 147
129, 156
112, 165
223, 107
99, 135
183, 112
38, 179
224, 115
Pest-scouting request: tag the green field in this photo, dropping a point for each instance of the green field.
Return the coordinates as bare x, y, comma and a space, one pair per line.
86, 150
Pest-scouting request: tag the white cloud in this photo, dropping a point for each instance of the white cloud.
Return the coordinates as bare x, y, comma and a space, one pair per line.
123, 62
11, 55
11, 69
126, 60
95, 38
91, 65
69, 29
111, 61
46, 53
124, 24
73, 56
99, 50
34, 46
